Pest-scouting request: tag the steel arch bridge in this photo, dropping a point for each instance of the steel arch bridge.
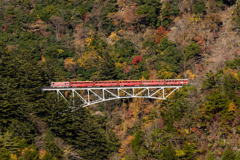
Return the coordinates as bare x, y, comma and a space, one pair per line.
93, 95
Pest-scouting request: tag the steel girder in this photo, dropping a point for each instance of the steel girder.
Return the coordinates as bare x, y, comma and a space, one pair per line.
94, 95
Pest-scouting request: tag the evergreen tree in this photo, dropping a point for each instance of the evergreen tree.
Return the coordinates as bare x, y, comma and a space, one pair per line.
137, 141
168, 153
191, 50
83, 133
230, 85
8, 105
21, 78
199, 7
107, 69
228, 154
4, 154
51, 147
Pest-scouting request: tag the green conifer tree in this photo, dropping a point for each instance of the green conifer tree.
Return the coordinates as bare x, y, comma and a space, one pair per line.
168, 153
107, 69
228, 154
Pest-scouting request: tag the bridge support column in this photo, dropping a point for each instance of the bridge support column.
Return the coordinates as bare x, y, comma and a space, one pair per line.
88, 96
103, 90
163, 94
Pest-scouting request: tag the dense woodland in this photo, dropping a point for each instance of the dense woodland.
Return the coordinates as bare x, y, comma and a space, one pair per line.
43, 41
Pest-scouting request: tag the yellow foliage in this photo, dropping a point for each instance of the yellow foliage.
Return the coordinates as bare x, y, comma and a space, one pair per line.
231, 107
69, 64
89, 40
176, 19
179, 76
114, 36
234, 72
68, 61
38, 16
143, 78
89, 59
190, 74
165, 73
60, 50
120, 31
13, 157
120, 65
186, 131
194, 18
135, 107
179, 153
90, 32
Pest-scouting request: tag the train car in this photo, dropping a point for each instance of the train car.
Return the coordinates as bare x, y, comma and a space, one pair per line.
60, 84
82, 83
152, 82
176, 81
105, 83
129, 82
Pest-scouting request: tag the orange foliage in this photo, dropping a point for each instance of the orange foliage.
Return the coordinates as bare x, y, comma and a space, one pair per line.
43, 58
42, 154
194, 129
200, 41
125, 145
160, 33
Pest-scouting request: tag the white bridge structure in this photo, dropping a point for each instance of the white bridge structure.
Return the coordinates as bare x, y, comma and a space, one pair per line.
92, 95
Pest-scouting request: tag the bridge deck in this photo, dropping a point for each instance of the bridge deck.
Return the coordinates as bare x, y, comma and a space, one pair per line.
48, 88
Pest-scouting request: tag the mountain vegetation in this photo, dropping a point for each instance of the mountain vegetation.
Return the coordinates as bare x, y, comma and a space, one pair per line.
43, 41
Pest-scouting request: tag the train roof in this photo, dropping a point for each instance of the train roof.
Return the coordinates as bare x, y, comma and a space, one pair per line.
61, 82
81, 81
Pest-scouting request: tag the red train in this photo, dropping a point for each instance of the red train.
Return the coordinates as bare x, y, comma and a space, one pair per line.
119, 83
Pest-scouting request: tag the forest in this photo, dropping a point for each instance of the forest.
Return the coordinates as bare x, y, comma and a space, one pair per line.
44, 41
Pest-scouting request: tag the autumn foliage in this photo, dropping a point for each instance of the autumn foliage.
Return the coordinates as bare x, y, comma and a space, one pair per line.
137, 60
160, 33
5, 28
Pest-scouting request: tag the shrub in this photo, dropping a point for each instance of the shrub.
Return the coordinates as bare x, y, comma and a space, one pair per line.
236, 17
191, 50
199, 7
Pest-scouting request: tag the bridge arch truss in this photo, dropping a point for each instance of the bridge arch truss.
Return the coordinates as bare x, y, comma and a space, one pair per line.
93, 95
